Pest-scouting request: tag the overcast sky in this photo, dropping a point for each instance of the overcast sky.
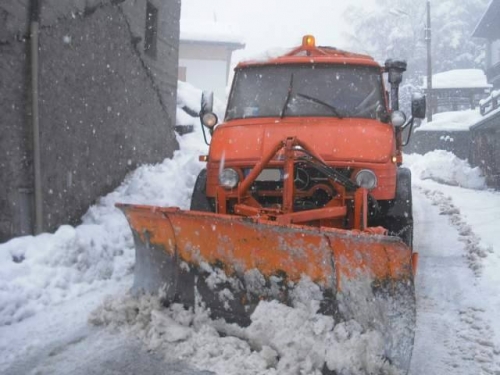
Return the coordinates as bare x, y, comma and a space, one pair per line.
266, 24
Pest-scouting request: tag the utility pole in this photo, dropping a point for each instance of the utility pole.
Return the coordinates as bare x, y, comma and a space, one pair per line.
429, 62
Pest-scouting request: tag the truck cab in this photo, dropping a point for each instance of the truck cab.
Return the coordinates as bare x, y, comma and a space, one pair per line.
333, 101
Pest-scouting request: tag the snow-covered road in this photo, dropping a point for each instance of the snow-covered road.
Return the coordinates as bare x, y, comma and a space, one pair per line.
453, 335
53, 320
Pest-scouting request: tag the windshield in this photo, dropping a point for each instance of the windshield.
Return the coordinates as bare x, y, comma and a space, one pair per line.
306, 90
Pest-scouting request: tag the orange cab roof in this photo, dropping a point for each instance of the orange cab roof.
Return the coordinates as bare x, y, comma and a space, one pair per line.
309, 53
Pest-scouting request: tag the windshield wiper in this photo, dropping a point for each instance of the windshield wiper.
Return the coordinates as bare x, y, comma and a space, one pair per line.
319, 101
288, 96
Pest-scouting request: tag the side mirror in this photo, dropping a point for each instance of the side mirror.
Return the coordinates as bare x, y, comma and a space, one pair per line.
207, 116
418, 106
207, 102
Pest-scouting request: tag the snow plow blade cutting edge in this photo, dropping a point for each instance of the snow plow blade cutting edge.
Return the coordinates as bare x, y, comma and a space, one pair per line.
234, 263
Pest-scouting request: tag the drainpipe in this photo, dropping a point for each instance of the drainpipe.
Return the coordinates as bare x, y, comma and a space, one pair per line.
34, 24
428, 38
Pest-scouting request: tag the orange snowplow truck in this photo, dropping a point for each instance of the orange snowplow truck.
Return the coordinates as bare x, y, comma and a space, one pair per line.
302, 186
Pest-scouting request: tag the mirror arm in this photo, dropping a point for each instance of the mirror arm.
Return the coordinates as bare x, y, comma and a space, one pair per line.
203, 130
410, 123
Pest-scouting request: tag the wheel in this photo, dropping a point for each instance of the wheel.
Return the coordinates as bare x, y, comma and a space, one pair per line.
199, 200
399, 211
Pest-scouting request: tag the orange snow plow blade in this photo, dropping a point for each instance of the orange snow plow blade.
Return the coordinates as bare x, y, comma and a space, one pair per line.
233, 263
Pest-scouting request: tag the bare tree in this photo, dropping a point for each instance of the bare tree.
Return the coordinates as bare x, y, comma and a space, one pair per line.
396, 29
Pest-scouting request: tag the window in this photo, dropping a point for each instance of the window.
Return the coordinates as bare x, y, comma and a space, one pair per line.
306, 90
151, 30
182, 73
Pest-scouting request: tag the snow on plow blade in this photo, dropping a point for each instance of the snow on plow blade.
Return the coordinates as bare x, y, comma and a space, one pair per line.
233, 263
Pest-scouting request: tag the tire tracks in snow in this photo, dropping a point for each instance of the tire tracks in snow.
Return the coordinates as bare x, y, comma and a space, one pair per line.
474, 250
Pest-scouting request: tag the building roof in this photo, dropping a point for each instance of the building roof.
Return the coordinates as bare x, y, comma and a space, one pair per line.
489, 27
459, 79
196, 31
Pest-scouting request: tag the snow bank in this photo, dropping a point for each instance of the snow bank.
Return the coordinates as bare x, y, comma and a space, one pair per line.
444, 167
280, 339
38, 271
451, 121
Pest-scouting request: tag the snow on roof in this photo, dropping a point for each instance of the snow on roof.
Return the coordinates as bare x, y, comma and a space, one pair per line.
459, 79
486, 121
451, 121
269, 54
487, 26
209, 32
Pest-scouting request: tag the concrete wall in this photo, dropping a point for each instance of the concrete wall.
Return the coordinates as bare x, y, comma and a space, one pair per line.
485, 154
457, 142
105, 107
164, 67
15, 139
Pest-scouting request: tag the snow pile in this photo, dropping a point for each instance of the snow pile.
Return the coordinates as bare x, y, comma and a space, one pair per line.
446, 168
451, 121
39, 271
280, 339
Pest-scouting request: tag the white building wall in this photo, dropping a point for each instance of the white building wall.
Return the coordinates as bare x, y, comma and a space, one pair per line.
210, 75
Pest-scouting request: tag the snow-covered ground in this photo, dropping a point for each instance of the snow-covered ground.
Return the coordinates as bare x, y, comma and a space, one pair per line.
65, 307
458, 289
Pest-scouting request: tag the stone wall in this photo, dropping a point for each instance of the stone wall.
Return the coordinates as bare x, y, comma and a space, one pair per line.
105, 107
15, 140
457, 142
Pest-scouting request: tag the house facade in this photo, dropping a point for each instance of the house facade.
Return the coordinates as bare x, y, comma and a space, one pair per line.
458, 90
488, 29
485, 134
205, 53
87, 93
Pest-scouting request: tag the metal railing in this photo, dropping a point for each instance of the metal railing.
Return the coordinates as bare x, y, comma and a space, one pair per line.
490, 103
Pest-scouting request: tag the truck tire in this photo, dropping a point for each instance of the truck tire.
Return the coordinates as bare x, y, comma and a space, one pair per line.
399, 214
199, 200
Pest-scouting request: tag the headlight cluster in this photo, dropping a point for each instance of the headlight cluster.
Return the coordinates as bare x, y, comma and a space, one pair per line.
229, 178
366, 179
398, 118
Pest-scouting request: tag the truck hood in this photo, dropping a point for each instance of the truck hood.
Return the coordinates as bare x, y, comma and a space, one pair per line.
349, 139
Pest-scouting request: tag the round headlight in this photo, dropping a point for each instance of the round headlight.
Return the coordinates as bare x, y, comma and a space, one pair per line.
398, 118
229, 178
366, 179
209, 119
